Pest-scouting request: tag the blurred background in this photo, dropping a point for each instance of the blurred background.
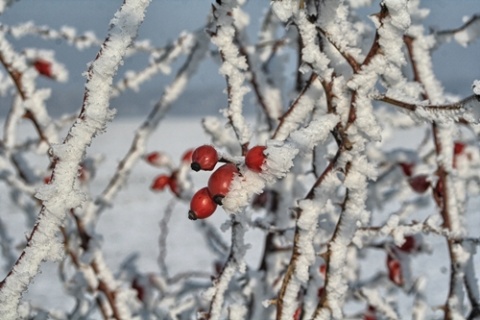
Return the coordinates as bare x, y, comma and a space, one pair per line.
455, 66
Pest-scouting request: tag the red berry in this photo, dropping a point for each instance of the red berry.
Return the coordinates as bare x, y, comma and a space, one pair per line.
220, 180
157, 159
160, 182
458, 147
394, 270
323, 270
320, 292
407, 168
202, 205
370, 314
47, 179
409, 245
173, 183
297, 314
43, 67
187, 156
204, 158
139, 289
255, 158
419, 183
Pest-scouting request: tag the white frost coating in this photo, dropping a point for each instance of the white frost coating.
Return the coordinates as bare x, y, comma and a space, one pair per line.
342, 32
133, 80
144, 132
420, 305
221, 136
285, 9
4, 4
238, 312
235, 263
33, 100
376, 300
125, 302
476, 87
398, 11
354, 212
242, 190
316, 131
421, 54
310, 211
307, 223
301, 109
279, 161
468, 34
392, 31
290, 298
63, 193
233, 68
311, 53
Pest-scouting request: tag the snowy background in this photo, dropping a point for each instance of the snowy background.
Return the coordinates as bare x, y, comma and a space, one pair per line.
133, 223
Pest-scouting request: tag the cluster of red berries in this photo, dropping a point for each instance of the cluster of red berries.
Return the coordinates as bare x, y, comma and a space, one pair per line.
411, 245
205, 201
421, 183
160, 182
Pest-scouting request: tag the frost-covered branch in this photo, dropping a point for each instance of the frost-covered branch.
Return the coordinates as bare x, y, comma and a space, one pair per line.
464, 35
63, 194
235, 264
233, 68
137, 149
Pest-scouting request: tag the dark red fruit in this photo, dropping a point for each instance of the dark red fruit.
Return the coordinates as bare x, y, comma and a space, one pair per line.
323, 270
43, 67
202, 205
458, 147
220, 180
204, 158
139, 289
187, 156
419, 183
157, 159
394, 270
409, 245
255, 158
407, 168
370, 314
160, 182
298, 313
47, 179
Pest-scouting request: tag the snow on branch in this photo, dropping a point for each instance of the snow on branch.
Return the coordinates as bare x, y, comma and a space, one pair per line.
63, 193
233, 67
137, 149
464, 35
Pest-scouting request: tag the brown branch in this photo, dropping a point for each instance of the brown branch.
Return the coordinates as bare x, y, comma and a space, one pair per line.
16, 77
455, 106
255, 84
451, 32
348, 57
440, 194
375, 48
